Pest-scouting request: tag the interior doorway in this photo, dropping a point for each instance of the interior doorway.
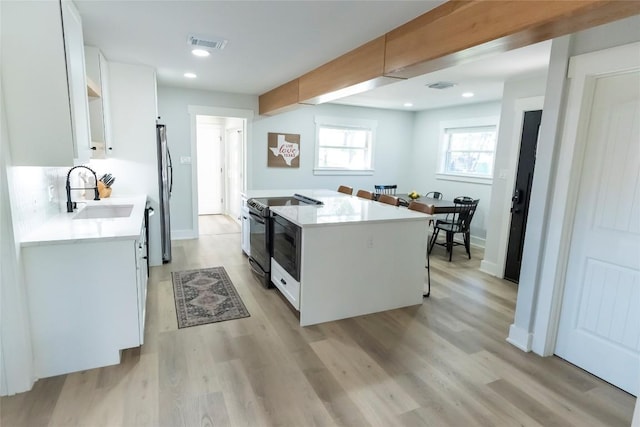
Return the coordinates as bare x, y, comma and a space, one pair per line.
522, 194
219, 156
235, 131
210, 164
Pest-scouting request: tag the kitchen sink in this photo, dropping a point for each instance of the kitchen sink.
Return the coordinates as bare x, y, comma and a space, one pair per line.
104, 211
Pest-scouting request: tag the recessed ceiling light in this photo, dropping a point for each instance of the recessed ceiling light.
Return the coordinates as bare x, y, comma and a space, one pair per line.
200, 52
408, 104
467, 94
190, 75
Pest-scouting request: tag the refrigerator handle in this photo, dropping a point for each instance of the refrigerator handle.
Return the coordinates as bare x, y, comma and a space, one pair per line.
170, 171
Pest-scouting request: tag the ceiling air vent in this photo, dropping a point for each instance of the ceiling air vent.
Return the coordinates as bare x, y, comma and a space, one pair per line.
441, 85
206, 42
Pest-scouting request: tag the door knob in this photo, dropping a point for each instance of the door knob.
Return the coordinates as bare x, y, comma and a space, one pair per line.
516, 196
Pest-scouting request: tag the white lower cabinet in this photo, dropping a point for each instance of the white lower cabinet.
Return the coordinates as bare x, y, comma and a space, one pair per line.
245, 224
142, 274
289, 286
86, 302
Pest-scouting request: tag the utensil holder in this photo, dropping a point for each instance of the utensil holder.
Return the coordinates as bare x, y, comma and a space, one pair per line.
103, 191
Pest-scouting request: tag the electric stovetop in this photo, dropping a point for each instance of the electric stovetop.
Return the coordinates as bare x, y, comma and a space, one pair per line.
296, 199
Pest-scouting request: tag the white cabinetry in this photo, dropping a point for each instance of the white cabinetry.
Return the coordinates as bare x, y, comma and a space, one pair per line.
77, 80
245, 235
99, 106
44, 83
86, 302
288, 286
141, 270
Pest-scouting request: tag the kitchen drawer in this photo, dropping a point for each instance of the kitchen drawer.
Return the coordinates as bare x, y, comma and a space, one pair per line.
288, 286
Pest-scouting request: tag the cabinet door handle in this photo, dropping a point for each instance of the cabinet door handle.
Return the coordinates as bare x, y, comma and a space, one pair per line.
94, 148
110, 148
144, 257
283, 282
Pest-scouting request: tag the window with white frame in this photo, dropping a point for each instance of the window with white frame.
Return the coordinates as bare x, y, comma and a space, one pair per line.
344, 146
468, 149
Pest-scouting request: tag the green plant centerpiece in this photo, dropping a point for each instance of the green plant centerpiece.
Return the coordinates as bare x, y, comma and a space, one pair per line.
413, 195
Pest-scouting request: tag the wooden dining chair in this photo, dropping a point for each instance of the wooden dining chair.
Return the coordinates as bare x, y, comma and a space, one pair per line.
433, 195
364, 194
426, 209
385, 189
421, 207
389, 200
345, 189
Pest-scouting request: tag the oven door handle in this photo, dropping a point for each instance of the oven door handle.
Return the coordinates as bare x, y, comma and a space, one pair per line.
257, 218
256, 267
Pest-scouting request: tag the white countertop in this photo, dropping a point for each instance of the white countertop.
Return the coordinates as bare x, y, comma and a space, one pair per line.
62, 228
339, 208
313, 193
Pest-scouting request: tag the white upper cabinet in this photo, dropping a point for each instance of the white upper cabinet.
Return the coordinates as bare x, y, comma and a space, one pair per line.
77, 80
44, 83
99, 107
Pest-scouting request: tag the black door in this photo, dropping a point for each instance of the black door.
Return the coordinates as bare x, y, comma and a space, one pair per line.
521, 194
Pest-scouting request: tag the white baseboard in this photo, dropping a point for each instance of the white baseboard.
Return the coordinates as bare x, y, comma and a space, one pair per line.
490, 268
183, 235
520, 338
477, 242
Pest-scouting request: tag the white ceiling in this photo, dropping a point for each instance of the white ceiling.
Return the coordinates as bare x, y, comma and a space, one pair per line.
484, 78
272, 42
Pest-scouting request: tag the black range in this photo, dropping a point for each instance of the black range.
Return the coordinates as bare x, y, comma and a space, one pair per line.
261, 231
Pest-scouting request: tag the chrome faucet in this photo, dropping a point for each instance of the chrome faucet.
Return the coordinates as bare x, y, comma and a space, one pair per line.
70, 204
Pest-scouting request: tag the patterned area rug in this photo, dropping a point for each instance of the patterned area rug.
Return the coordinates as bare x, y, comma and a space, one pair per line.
206, 295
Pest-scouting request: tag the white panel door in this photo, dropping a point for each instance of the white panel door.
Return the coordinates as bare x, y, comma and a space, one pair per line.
233, 149
599, 327
210, 182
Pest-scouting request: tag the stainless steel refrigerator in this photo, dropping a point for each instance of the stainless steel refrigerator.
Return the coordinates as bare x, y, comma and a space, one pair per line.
165, 184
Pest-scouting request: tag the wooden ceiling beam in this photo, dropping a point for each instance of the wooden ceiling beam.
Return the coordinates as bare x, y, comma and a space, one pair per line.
453, 33
356, 71
279, 100
459, 32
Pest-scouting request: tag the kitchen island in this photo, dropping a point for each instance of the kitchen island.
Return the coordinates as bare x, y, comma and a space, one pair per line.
357, 257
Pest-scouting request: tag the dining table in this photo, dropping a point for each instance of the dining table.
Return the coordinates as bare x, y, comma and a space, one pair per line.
440, 206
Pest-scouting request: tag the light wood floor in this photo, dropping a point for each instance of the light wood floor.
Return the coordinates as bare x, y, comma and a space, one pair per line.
444, 363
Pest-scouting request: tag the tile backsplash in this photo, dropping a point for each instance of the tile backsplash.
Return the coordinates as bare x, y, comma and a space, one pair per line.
37, 194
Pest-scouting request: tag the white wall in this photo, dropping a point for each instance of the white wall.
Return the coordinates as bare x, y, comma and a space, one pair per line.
506, 150
424, 160
605, 36
392, 149
173, 105
16, 367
